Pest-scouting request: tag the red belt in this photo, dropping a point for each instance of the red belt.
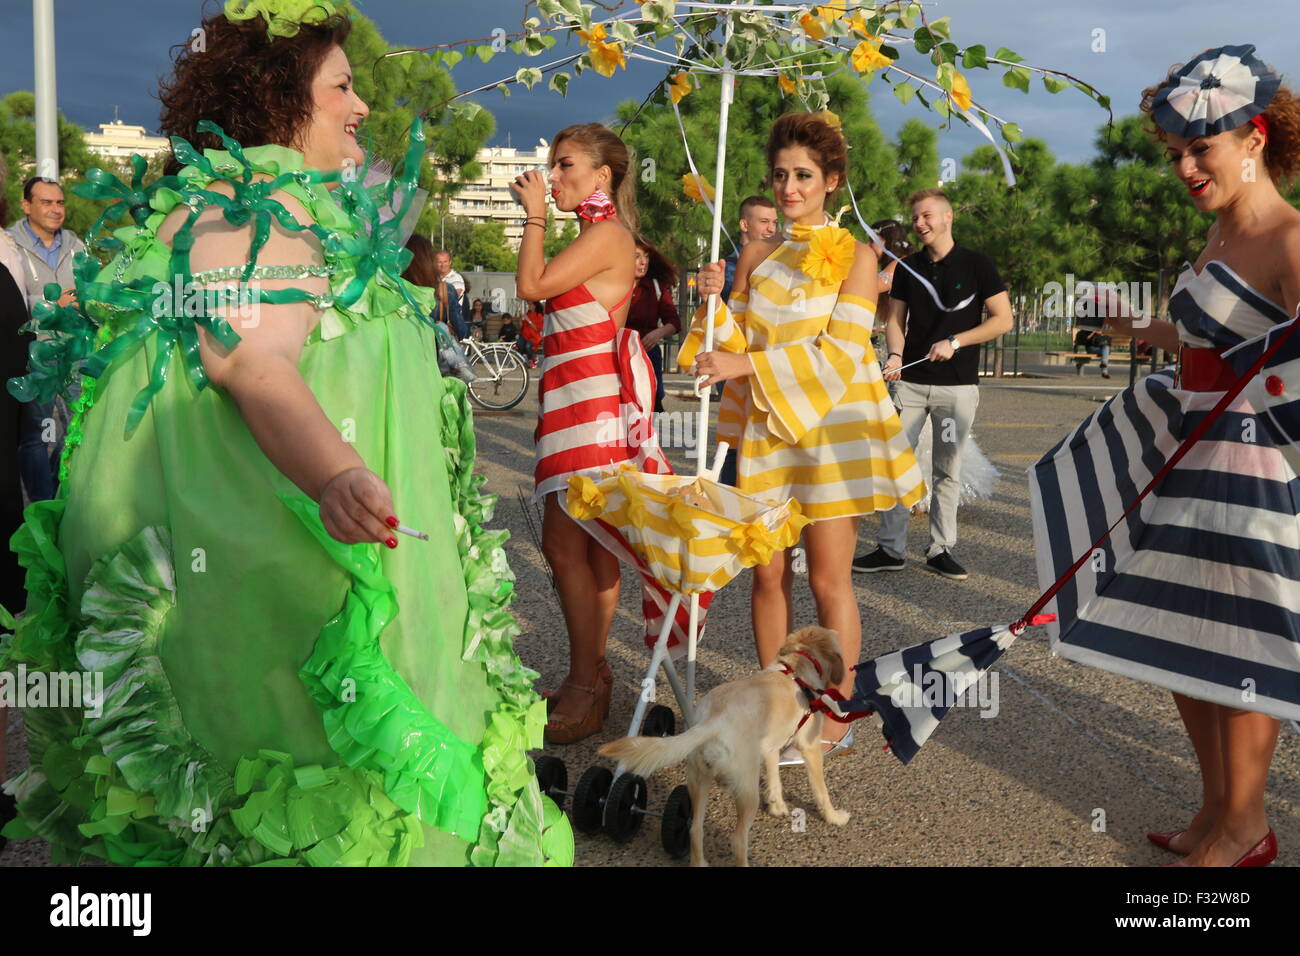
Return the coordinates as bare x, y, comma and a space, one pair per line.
1203, 370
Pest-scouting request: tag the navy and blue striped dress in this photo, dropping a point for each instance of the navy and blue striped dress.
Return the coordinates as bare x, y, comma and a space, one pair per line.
1199, 590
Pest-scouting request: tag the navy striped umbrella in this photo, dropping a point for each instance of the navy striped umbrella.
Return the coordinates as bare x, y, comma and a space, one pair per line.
913, 689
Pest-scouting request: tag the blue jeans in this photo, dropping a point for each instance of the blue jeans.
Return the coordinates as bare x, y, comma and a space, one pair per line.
34, 460
656, 356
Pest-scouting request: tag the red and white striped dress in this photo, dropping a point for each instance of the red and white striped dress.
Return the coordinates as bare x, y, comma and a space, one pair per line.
596, 396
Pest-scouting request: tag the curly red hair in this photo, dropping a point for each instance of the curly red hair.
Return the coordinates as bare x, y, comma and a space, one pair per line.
1281, 152
258, 90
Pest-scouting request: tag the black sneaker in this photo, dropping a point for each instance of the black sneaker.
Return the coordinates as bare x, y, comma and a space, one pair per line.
942, 563
878, 560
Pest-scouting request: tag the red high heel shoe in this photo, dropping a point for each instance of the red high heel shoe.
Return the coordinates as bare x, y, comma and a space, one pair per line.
1163, 840
1262, 853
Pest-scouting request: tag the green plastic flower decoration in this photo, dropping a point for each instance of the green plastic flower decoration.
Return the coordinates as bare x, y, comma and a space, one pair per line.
283, 17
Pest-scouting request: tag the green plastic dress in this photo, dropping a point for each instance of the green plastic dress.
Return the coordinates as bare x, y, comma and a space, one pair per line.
271, 696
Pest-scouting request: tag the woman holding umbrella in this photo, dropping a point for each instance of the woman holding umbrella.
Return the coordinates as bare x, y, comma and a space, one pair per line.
1197, 592
808, 412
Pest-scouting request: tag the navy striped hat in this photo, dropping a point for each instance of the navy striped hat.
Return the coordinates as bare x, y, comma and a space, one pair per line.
1219, 90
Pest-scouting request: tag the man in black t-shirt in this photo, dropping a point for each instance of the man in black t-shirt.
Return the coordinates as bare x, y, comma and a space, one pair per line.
944, 389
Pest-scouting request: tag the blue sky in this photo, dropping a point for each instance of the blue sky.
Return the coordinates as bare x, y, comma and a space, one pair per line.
111, 53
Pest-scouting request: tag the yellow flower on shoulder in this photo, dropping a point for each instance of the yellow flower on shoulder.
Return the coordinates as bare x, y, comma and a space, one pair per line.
960, 91
605, 57
584, 500
867, 57
830, 255
813, 26
692, 185
680, 86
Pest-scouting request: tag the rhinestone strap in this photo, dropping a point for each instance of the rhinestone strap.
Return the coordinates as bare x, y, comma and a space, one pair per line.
227, 273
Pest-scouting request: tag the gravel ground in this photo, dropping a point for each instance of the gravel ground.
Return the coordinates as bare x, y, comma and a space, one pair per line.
1074, 768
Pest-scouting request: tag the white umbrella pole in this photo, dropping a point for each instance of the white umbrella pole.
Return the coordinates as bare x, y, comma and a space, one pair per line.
702, 431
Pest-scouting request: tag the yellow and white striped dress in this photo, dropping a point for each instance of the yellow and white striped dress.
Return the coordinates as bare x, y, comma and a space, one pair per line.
815, 422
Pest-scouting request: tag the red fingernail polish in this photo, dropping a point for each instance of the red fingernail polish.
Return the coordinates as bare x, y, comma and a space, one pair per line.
391, 521
391, 542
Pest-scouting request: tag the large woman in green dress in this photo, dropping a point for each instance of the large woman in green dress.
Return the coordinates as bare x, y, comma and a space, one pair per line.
283, 682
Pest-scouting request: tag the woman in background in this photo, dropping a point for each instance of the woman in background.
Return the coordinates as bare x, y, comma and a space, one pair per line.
653, 313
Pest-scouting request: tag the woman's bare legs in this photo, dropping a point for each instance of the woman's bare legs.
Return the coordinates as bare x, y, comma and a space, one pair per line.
587, 579
830, 545
1201, 718
771, 606
1247, 739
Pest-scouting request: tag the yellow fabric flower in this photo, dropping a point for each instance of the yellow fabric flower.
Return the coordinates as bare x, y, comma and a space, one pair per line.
681, 85
754, 544
832, 119
960, 91
829, 12
691, 185
830, 255
867, 57
858, 24
812, 26
788, 86
584, 500
605, 57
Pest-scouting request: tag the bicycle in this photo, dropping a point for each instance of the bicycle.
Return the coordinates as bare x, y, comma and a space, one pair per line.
500, 374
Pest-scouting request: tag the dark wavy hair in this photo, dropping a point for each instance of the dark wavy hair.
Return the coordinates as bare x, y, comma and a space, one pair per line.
661, 267
895, 237
423, 269
822, 140
256, 89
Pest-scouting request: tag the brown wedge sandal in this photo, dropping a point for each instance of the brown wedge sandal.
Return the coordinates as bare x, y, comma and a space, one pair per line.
563, 729
606, 676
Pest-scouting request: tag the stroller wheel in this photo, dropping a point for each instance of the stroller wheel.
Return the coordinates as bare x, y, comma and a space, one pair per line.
675, 831
624, 807
552, 778
659, 722
589, 799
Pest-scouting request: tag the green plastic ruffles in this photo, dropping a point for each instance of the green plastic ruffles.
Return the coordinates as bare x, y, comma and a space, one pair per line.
132, 787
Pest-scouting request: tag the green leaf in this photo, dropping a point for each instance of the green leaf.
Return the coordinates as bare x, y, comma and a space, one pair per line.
559, 83
528, 77
1017, 78
1011, 132
904, 92
1011, 56
975, 57
941, 27
485, 52
944, 76
470, 48
889, 51
623, 30
451, 57
910, 15
572, 6
505, 89
941, 107
947, 52
772, 49
519, 47
1053, 84
1103, 102
924, 40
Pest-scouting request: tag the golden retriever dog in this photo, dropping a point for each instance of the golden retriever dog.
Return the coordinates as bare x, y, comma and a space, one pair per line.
740, 730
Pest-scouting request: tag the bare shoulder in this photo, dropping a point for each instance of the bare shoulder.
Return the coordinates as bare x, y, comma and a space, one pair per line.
754, 253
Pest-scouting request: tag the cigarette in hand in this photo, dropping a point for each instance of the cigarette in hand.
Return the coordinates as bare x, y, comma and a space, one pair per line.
403, 529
